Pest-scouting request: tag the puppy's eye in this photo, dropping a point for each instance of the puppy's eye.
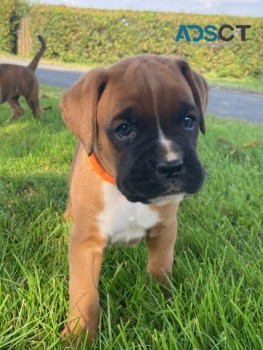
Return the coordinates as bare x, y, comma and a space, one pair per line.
188, 122
124, 130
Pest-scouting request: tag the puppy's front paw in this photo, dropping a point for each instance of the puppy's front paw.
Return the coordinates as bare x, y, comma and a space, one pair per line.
77, 332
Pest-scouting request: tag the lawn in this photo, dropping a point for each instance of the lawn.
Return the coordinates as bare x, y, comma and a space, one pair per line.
217, 281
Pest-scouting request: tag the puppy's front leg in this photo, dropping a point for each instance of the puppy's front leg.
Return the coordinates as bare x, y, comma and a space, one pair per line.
85, 259
160, 243
161, 252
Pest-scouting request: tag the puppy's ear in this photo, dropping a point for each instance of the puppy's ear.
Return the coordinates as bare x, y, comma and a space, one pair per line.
79, 106
199, 89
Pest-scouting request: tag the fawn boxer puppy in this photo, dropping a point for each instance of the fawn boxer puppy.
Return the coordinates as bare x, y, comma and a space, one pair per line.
138, 123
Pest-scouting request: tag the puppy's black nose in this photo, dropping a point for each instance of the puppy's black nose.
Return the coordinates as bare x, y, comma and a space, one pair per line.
170, 168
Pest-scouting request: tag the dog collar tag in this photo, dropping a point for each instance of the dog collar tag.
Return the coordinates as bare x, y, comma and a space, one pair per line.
100, 170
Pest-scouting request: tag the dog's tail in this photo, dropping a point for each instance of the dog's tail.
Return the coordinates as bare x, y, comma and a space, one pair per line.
33, 64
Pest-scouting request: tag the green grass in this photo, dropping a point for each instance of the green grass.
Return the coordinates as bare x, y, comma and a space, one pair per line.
217, 281
246, 83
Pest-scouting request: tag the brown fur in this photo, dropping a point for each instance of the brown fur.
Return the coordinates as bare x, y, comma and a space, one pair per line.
88, 116
16, 81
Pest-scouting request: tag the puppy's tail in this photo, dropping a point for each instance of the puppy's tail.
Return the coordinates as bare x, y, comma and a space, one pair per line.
33, 64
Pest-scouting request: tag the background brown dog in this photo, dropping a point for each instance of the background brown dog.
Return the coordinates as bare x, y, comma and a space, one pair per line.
16, 81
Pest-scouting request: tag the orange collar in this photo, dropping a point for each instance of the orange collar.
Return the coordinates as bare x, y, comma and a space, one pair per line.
100, 171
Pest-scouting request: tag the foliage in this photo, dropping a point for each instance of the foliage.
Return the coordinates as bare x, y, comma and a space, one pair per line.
11, 12
87, 35
102, 36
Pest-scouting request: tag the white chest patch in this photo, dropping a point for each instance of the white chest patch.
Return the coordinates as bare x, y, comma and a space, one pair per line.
123, 221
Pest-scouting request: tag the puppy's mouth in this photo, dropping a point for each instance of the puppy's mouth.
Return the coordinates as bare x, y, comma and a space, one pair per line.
150, 188
158, 193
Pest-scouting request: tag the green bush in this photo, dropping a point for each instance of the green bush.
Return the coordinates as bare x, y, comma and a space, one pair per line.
101, 36
6, 11
11, 12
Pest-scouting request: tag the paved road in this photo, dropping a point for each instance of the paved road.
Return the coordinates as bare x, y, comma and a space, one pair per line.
222, 102
236, 104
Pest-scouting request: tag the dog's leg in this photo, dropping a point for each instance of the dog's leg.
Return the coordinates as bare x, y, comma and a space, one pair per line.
17, 109
85, 259
33, 103
160, 243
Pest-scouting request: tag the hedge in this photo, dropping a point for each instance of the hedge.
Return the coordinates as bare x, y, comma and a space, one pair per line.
103, 36
11, 12
85, 35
